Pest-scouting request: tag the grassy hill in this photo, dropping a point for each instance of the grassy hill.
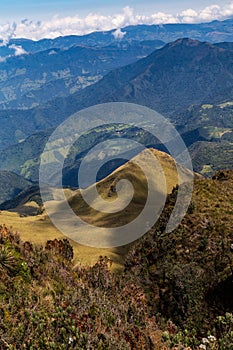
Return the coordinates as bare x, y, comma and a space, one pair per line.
39, 228
136, 176
175, 292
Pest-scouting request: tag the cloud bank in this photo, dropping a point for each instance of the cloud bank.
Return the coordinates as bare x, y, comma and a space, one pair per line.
75, 25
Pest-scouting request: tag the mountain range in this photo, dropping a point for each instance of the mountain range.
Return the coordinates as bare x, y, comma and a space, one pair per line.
215, 31
169, 290
169, 80
31, 79
189, 81
180, 80
33, 72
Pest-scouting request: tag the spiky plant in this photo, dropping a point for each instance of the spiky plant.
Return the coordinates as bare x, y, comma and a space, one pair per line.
8, 262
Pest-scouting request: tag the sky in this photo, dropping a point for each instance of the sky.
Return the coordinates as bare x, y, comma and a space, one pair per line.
36, 19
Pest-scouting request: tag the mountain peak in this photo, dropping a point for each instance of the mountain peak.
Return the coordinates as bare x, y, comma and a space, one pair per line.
190, 45
185, 42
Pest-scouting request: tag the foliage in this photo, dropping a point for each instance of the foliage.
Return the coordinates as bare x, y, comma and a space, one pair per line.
48, 303
175, 292
187, 274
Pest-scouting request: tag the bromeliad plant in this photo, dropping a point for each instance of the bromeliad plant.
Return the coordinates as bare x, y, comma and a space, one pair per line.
8, 262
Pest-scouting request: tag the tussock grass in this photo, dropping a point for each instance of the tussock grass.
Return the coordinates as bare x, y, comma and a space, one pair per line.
39, 229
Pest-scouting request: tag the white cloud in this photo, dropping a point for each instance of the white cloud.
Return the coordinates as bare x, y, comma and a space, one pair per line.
61, 26
211, 12
189, 16
161, 18
7, 31
228, 11
118, 34
18, 50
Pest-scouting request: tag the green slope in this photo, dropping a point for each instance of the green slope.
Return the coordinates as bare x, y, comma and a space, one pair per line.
11, 185
169, 80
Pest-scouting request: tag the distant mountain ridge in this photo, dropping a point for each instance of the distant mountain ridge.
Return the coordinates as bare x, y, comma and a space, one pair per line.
33, 72
169, 80
182, 73
215, 31
32, 79
189, 81
49, 68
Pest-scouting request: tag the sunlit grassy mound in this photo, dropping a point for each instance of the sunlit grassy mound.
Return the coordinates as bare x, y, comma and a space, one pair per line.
133, 173
39, 228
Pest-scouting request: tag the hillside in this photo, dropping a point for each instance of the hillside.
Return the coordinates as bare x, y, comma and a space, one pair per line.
169, 80
11, 185
211, 124
182, 73
215, 118
208, 132
62, 71
176, 290
208, 157
28, 203
133, 173
188, 273
24, 157
77, 307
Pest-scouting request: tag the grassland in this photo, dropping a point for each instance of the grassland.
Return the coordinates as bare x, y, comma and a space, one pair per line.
38, 228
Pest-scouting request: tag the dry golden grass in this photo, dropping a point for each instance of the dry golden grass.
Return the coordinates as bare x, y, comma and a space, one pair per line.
39, 229
135, 175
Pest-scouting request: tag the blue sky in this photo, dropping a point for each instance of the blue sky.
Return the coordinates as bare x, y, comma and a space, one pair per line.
42, 9
36, 19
